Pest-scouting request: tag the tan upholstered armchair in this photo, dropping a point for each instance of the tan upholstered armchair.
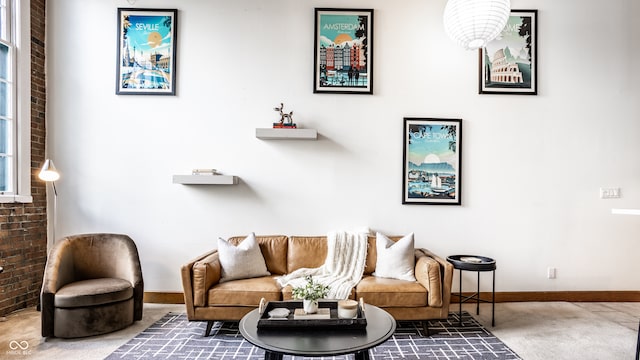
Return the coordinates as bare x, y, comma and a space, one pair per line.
92, 285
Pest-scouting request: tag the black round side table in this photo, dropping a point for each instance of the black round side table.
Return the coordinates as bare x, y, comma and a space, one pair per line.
475, 263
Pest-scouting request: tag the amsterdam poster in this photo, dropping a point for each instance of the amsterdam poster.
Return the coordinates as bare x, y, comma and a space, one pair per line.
343, 49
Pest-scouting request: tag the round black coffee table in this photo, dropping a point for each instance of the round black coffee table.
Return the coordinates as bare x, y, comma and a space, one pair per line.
313, 341
475, 263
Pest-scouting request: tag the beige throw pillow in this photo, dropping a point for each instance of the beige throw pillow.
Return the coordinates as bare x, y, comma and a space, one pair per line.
243, 261
395, 260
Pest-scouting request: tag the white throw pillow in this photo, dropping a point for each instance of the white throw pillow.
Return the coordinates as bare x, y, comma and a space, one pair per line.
395, 260
243, 261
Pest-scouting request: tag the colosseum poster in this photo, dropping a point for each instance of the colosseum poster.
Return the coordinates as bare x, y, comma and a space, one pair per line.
508, 63
343, 51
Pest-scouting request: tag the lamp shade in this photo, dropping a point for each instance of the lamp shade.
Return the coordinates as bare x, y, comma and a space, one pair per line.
49, 172
474, 23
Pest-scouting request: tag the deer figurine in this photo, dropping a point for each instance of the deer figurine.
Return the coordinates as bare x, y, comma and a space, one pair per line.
284, 118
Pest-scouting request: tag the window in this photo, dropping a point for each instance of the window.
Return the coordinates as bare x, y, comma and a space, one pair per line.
15, 97
7, 96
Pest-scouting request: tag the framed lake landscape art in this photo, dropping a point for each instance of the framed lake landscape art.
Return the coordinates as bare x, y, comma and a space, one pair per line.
431, 161
343, 51
508, 64
146, 52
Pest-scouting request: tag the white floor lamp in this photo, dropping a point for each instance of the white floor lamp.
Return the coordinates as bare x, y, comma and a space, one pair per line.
49, 174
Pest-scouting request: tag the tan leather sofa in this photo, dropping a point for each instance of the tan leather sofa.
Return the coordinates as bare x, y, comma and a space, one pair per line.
208, 300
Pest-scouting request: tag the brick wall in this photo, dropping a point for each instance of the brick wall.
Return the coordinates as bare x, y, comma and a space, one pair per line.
23, 227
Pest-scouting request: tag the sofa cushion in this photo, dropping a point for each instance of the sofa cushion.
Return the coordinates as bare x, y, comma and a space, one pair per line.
384, 292
370, 265
245, 292
395, 260
306, 252
274, 251
372, 254
93, 292
242, 261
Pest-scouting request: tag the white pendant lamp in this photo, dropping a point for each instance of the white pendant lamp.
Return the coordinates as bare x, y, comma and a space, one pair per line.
474, 23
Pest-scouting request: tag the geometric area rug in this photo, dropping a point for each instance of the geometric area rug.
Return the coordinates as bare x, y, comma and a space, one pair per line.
174, 337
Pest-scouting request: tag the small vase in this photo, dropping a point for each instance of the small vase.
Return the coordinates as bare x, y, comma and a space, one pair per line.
310, 306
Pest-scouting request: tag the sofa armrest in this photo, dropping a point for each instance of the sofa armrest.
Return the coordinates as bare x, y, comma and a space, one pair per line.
436, 275
198, 276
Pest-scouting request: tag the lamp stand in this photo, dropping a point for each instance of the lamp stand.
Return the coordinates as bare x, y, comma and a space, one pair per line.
54, 219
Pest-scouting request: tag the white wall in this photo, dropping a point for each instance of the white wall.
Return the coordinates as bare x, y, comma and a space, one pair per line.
532, 165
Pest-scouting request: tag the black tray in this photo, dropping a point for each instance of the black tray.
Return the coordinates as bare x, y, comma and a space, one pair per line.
359, 322
483, 264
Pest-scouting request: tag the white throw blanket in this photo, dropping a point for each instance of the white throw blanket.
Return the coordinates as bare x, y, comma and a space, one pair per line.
342, 269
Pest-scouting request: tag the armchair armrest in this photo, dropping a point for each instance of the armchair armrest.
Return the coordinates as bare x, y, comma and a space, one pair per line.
59, 268
436, 275
126, 266
58, 272
198, 276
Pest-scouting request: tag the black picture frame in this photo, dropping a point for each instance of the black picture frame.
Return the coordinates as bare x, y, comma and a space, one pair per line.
146, 53
343, 51
515, 54
432, 161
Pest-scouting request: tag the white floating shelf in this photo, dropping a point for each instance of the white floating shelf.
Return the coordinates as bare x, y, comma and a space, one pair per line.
286, 134
625, 211
205, 179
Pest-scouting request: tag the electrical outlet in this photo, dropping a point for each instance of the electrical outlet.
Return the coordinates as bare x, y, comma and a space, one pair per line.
551, 273
609, 193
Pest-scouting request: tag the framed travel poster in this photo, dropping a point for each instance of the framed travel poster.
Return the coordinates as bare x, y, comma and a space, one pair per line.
146, 52
508, 64
343, 51
431, 161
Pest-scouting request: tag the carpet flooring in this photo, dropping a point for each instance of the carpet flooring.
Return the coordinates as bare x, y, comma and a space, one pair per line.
174, 337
